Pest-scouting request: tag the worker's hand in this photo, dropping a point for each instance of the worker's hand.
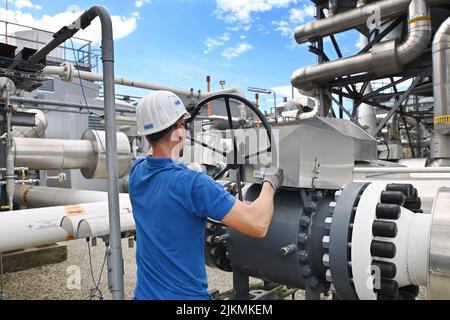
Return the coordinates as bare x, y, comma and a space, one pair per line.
274, 176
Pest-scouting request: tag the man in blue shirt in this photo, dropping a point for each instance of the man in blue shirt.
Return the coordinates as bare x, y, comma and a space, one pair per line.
171, 204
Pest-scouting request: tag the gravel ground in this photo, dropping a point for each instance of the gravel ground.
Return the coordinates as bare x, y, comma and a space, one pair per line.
54, 282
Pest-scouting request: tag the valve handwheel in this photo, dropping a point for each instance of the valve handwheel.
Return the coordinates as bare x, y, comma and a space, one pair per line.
234, 165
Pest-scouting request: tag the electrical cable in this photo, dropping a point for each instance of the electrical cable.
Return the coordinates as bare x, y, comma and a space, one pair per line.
387, 148
96, 292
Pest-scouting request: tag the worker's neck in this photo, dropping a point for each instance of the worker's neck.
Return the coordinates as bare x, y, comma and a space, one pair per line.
164, 151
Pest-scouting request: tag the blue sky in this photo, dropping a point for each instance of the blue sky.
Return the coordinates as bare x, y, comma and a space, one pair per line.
179, 42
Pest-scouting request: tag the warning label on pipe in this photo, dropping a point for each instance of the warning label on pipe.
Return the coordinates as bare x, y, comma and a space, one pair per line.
45, 224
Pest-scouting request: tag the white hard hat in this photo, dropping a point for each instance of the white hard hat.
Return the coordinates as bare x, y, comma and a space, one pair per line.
159, 110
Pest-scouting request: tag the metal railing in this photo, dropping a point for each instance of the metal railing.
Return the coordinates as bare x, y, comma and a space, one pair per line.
81, 53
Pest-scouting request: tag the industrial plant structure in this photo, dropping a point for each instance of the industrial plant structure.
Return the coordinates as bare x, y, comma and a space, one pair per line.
364, 212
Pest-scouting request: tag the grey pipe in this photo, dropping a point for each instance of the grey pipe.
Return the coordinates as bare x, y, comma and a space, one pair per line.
385, 58
87, 154
64, 104
10, 178
441, 79
115, 261
353, 18
52, 154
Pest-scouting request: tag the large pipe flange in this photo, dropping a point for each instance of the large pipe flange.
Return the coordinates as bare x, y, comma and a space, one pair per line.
97, 163
390, 261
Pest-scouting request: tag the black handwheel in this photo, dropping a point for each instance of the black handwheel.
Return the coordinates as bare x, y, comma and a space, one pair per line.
234, 165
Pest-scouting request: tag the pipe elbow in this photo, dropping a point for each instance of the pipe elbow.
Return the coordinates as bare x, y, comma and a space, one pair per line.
419, 32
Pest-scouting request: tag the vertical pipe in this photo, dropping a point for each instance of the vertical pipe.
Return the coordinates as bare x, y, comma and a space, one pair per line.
9, 157
114, 251
208, 90
115, 244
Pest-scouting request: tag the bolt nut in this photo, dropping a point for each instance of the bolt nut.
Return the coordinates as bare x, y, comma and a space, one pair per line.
328, 221
328, 275
326, 260
326, 242
337, 194
332, 206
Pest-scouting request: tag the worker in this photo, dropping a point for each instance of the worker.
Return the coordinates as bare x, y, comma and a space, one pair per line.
171, 204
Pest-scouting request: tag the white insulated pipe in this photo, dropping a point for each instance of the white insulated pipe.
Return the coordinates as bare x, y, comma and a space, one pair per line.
33, 227
68, 72
40, 197
99, 226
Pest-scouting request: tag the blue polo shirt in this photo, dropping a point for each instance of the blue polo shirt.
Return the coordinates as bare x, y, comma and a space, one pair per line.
171, 204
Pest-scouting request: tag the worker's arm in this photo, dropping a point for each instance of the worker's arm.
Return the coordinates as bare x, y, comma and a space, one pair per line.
254, 219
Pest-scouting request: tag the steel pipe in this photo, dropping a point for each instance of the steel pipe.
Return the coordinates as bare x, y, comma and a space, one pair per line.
52, 154
439, 247
87, 154
353, 18
441, 79
115, 261
64, 104
385, 58
65, 70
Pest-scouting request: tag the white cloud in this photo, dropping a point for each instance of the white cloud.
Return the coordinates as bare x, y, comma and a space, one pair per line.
239, 13
19, 4
122, 26
285, 91
242, 37
233, 52
362, 42
297, 15
212, 43
283, 27
140, 3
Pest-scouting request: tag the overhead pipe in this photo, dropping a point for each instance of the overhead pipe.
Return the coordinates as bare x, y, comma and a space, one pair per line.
115, 260
67, 72
353, 18
87, 154
385, 58
64, 104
